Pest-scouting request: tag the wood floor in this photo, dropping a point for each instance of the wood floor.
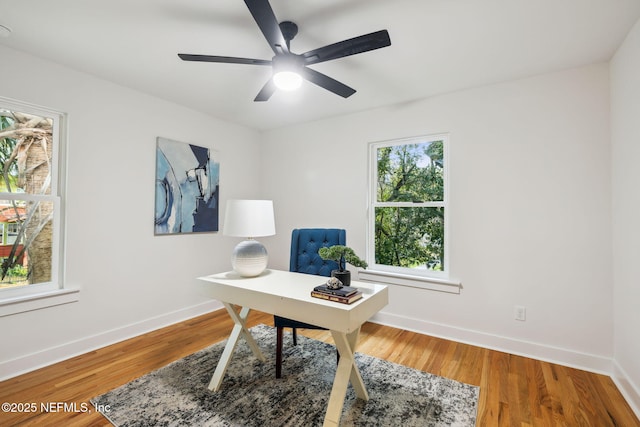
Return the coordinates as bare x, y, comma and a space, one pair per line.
514, 390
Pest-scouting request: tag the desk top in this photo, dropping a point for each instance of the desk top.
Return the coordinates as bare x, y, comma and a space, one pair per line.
288, 294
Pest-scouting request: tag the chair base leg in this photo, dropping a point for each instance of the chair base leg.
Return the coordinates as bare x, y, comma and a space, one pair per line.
279, 352
279, 333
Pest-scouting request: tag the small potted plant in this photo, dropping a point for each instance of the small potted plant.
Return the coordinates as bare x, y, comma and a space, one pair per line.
342, 255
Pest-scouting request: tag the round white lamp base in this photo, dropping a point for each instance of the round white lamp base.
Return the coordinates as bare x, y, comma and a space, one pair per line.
249, 258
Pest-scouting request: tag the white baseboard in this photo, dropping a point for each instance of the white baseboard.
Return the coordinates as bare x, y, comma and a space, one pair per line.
31, 362
629, 390
560, 356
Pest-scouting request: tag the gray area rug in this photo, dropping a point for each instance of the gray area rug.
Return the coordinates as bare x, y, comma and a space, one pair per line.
177, 394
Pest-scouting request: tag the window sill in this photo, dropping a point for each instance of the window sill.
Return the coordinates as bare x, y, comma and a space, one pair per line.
26, 303
420, 282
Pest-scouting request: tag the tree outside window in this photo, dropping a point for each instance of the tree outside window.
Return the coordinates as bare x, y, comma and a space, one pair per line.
29, 203
408, 193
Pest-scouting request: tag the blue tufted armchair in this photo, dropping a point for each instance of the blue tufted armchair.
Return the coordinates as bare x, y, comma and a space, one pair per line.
305, 243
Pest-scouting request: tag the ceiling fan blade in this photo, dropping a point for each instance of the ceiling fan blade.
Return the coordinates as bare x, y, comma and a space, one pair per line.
265, 93
223, 59
265, 18
327, 82
348, 47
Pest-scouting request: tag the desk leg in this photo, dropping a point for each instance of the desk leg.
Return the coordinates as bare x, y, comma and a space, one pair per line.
239, 329
346, 371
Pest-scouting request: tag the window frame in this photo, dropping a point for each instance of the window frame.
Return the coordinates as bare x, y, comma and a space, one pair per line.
422, 278
51, 293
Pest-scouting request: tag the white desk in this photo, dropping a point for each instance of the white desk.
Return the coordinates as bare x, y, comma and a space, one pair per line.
288, 294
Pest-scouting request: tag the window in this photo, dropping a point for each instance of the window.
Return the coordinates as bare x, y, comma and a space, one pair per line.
408, 207
30, 206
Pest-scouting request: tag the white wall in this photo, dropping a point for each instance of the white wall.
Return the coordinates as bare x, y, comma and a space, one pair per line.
530, 209
130, 280
625, 132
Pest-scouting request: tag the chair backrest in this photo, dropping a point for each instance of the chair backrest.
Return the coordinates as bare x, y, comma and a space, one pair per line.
305, 243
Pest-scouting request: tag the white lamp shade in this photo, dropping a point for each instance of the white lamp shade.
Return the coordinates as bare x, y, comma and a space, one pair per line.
249, 218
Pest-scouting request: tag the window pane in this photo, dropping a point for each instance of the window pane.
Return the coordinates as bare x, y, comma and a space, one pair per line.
26, 241
26, 208
410, 237
411, 172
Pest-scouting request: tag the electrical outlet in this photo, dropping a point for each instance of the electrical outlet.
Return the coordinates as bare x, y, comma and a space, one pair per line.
520, 313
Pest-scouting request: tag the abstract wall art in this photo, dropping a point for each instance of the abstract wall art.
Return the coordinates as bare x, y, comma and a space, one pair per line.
187, 188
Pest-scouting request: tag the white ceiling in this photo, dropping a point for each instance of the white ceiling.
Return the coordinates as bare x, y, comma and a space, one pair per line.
437, 46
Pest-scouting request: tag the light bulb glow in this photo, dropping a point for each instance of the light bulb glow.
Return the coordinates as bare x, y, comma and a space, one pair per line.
287, 80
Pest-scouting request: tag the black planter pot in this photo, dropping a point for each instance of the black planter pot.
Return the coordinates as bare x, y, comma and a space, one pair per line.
343, 276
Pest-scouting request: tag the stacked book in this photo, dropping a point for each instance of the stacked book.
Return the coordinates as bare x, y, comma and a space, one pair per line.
345, 294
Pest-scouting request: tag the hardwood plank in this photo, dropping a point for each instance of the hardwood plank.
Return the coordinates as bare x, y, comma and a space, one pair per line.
514, 390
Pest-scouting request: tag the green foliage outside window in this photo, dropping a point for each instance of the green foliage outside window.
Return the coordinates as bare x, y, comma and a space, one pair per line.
409, 210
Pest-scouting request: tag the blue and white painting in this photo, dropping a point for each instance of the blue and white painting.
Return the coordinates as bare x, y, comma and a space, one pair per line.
187, 188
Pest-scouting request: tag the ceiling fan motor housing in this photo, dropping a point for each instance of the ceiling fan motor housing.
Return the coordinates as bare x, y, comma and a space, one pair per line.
287, 62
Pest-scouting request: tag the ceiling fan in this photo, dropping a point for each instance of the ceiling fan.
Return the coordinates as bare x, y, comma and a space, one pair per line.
288, 64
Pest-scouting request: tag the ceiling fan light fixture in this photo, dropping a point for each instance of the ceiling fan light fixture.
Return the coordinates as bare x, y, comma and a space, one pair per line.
286, 71
287, 80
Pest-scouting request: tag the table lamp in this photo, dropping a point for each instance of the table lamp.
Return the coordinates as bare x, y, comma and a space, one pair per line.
249, 219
